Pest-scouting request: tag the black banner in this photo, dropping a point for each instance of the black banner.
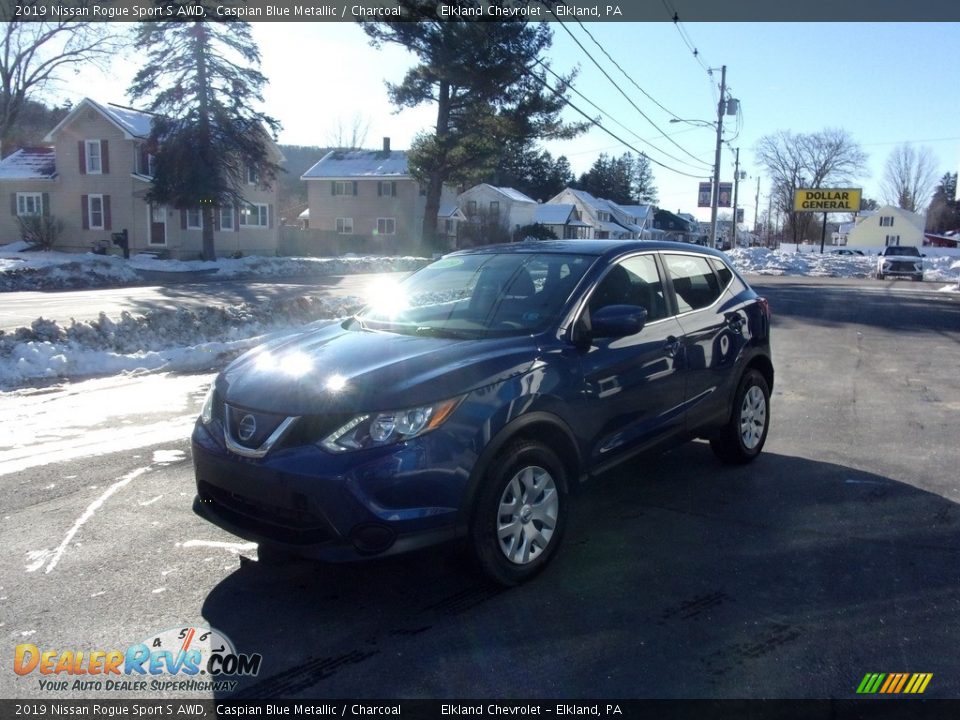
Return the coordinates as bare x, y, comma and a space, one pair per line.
538, 10
880, 709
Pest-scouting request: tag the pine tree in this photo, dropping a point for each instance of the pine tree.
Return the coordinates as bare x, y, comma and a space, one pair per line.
491, 87
201, 80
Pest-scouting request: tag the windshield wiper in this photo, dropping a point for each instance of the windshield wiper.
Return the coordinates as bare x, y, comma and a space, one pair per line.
432, 331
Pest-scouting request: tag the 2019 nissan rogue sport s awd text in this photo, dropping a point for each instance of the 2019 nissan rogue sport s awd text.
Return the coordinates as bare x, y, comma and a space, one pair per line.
469, 401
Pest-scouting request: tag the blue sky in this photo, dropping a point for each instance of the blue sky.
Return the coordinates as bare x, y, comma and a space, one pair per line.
885, 83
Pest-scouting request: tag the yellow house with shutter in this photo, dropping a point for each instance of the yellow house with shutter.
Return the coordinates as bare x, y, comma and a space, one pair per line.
94, 179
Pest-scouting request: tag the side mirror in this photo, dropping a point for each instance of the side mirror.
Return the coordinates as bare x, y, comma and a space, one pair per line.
615, 321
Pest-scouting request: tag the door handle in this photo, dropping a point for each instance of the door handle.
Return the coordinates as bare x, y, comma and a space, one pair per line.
672, 346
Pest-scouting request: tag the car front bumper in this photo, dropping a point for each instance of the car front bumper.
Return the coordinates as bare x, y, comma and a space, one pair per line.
314, 504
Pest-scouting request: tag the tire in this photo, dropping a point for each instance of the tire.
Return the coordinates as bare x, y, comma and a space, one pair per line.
520, 513
742, 438
880, 276
918, 278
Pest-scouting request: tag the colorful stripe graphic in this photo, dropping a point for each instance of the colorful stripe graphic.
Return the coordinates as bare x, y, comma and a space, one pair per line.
894, 683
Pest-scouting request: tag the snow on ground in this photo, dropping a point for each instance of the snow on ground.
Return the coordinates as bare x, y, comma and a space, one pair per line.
763, 261
34, 270
161, 340
207, 338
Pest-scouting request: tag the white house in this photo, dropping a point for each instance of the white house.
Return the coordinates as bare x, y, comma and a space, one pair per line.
604, 217
888, 225
485, 204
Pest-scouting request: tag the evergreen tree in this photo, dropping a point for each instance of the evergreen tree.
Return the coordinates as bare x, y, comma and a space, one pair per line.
644, 189
943, 215
201, 80
489, 83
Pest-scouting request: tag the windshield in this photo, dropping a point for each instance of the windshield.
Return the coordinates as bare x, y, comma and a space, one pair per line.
903, 250
473, 296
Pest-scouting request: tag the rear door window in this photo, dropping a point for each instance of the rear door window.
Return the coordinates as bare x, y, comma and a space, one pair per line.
694, 282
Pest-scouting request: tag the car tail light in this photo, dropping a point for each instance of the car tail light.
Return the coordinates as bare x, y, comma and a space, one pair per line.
765, 306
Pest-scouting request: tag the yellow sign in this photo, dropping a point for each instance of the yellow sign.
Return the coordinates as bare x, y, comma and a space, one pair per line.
827, 200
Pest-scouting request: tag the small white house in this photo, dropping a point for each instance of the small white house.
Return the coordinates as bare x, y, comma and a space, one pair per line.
888, 225
489, 205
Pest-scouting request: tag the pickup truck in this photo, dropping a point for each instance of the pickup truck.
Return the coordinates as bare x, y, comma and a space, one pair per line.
900, 261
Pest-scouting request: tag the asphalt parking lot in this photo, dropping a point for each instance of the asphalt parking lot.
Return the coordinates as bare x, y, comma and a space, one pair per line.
835, 554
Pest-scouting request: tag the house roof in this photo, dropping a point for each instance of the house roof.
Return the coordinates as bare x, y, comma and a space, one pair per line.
515, 195
132, 123
450, 210
359, 164
553, 213
641, 212
38, 163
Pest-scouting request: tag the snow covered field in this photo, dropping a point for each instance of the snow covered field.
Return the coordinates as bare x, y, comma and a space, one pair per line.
207, 338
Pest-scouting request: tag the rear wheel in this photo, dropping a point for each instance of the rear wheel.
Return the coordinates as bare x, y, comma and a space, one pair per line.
742, 438
520, 513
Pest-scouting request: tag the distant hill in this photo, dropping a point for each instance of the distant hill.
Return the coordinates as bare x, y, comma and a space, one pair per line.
293, 190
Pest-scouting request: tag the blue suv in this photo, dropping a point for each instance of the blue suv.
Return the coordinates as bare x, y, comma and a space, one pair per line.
470, 399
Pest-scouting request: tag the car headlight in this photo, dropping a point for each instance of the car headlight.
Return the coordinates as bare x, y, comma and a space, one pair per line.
206, 410
384, 428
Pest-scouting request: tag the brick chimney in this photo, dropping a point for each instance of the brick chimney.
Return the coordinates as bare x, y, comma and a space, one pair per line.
386, 145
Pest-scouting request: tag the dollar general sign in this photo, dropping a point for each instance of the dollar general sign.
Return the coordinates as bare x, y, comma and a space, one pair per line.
827, 200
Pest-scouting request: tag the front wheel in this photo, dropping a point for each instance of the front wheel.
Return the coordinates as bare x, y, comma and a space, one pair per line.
520, 514
742, 438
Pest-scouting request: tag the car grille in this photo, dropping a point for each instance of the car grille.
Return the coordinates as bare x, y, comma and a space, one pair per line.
270, 521
251, 428
902, 266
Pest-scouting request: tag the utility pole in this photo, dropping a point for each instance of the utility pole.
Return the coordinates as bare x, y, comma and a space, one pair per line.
721, 106
736, 189
756, 210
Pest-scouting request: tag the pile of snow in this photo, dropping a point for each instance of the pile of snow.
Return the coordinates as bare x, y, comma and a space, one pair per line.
161, 340
34, 270
763, 261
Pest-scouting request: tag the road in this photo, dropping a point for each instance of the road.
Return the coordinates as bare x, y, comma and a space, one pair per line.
19, 309
833, 555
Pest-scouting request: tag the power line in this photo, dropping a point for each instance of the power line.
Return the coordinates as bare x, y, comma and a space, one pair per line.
608, 115
616, 137
621, 91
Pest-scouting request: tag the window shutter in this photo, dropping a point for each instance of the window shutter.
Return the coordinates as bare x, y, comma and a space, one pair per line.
270, 216
216, 219
104, 158
106, 213
13, 203
183, 219
236, 218
354, 187
82, 148
393, 188
333, 187
85, 211
45, 199
379, 189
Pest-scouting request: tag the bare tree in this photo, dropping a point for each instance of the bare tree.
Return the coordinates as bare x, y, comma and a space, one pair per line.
909, 177
820, 159
35, 54
349, 134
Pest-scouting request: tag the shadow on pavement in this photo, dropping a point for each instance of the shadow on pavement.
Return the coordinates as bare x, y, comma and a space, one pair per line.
835, 306
679, 577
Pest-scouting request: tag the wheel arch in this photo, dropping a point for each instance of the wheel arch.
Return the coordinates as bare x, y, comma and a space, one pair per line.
542, 427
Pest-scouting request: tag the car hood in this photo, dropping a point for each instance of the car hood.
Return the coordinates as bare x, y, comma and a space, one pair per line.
332, 369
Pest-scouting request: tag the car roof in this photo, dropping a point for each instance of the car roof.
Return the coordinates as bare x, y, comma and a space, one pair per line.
599, 248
